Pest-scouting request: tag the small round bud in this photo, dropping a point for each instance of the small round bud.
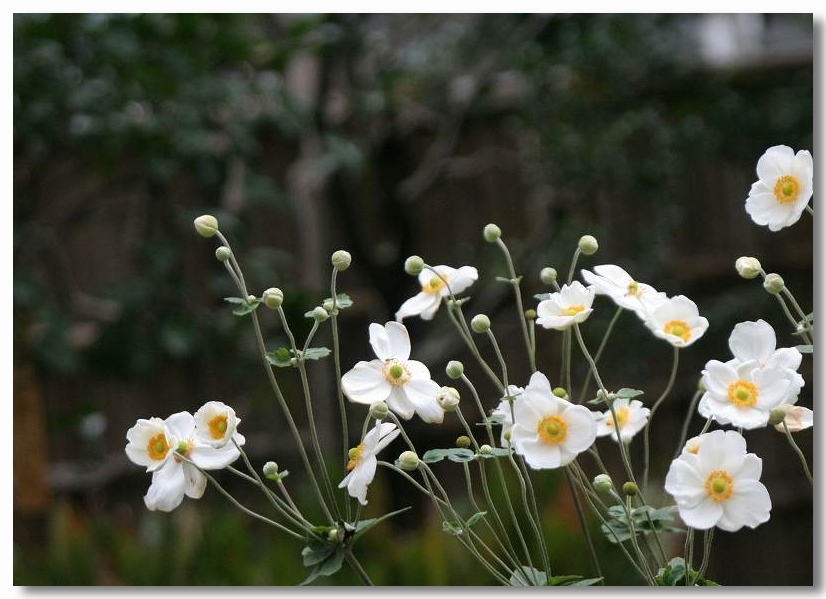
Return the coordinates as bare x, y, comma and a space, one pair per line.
223, 253
560, 392
506, 435
378, 410
480, 323
270, 470
273, 298
530, 314
603, 483
206, 225
774, 283
251, 299
448, 398
463, 441
408, 460
701, 386
747, 267
630, 489
588, 245
454, 369
777, 415
492, 233
335, 535
341, 259
413, 265
485, 449
320, 314
547, 275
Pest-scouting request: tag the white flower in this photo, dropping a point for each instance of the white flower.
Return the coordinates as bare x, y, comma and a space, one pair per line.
426, 302
797, 419
757, 341
216, 424
692, 445
502, 412
615, 282
393, 378
569, 305
678, 321
783, 188
719, 485
159, 444
741, 396
547, 430
631, 418
363, 462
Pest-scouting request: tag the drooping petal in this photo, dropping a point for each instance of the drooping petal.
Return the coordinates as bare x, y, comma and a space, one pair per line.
417, 305
365, 383
167, 489
399, 403
422, 394
194, 481
214, 458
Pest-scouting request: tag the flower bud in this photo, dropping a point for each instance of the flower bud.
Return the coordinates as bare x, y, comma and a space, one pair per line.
273, 298
485, 449
777, 415
560, 392
448, 398
408, 460
320, 314
774, 283
251, 299
223, 253
547, 275
603, 483
413, 265
630, 489
454, 369
530, 314
463, 441
270, 470
341, 259
335, 535
480, 323
588, 245
378, 410
747, 267
206, 225
492, 233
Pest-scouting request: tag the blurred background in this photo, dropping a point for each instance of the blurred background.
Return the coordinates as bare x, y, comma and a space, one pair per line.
386, 135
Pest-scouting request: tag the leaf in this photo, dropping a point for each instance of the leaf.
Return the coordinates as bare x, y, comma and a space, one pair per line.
805, 349
525, 576
329, 565
431, 456
646, 520
542, 296
362, 526
475, 518
674, 574
626, 393
454, 454
314, 353
452, 528
495, 452
586, 582
283, 357
244, 306
235, 300
572, 580
515, 281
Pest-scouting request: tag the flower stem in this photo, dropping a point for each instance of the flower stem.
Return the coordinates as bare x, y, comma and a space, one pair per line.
583, 523
810, 210
514, 280
499, 356
654, 407
684, 433
799, 453
598, 355
337, 361
357, 568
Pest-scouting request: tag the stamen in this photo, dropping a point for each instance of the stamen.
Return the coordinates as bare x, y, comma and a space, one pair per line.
552, 429
679, 328
572, 310
719, 486
157, 448
743, 394
786, 189
218, 427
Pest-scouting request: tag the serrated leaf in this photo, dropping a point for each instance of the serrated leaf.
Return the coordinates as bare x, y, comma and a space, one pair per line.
246, 308
452, 528
283, 357
475, 518
805, 349
525, 576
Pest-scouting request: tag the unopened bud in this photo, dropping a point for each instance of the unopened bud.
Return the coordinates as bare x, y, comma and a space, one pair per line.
630, 489
588, 245
320, 314
448, 398
774, 283
223, 253
776, 416
603, 483
273, 298
485, 449
378, 410
454, 369
251, 299
530, 314
335, 535
206, 225
341, 259
492, 233
560, 392
747, 267
547, 275
408, 460
480, 323
463, 441
270, 470
413, 265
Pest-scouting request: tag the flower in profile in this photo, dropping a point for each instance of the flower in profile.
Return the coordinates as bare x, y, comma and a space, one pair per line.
797, 418
631, 418
742, 396
362, 465
569, 305
435, 286
678, 321
783, 188
502, 412
548, 430
403, 383
173, 453
719, 485
616, 283
216, 425
692, 445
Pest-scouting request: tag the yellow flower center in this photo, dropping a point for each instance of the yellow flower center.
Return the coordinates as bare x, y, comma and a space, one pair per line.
395, 373
786, 189
435, 285
552, 429
634, 289
157, 448
622, 417
719, 485
355, 456
678, 328
572, 310
218, 427
184, 447
693, 448
743, 394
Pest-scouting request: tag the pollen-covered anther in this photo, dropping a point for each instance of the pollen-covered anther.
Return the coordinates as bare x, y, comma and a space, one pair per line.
435, 285
157, 448
622, 418
743, 394
552, 429
395, 373
218, 426
786, 189
573, 310
355, 456
678, 328
183, 449
719, 485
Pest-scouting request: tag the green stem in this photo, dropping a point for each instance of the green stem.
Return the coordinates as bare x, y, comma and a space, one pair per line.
339, 393
809, 210
573, 265
799, 453
499, 356
656, 405
686, 423
517, 293
357, 568
689, 554
583, 523
707, 537
598, 355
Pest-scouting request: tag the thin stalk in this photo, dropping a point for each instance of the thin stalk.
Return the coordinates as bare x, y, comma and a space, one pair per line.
799, 453
583, 523
684, 433
287, 509
337, 361
566, 361
809, 210
499, 356
598, 355
533, 512
573, 265
471, 344
631, 529
797, 308
804, 334
520, 309
689, 554
356, 566
707, 537
656, 405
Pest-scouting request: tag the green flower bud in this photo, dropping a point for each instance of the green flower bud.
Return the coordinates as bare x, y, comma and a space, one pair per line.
320, 314
480, 323
630, 489
335, 535
747, 267
463, 441
273, 298
408, 460
251, 299
223, 253
454, 369
507, 435
485, 449
560, 392
378, 410
603, 483
530, 314
341, 259
448, 398
492, 233
547, 275
777, 415
774, 283
271, 471
413, 265
206, 225
588, 245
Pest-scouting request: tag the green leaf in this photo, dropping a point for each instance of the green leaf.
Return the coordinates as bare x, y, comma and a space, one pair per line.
586, 582
314, 353
452, 528
362, 526
495, 452
244, 306
431, 456
646, 519
235, 300
515, 281
674, 574
572, 580
525, 576
626, 393
542, 296
329, 565
283, 357
805, 349
474, 518
454, 454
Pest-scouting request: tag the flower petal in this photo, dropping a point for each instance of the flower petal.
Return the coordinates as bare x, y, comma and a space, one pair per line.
194, 481
418, 304
422, 394
365, 383
167, 489
214, 458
